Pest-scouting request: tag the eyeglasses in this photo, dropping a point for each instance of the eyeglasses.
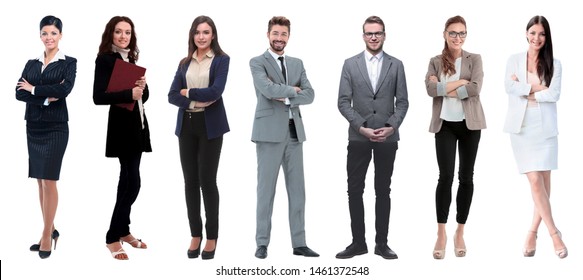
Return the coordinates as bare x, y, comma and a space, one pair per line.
453, 34
376, 34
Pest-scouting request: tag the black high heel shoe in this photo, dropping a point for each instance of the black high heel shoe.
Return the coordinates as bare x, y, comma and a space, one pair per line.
207, 255
55, 236
193, 254
45, 254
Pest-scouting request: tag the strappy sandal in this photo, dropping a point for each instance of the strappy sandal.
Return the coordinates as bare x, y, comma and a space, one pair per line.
138, 243
117, 253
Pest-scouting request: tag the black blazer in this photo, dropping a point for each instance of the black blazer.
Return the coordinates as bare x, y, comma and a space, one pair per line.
125, 135
56, 80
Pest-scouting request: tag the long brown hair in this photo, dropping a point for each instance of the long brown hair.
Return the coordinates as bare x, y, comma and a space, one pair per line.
192, 46
107, 38
447, 59
545, 67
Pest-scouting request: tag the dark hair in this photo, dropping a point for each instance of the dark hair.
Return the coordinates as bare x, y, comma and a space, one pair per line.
107, 38
52, 20
279, 20
373, 19
545, 67
447, 59
192, 46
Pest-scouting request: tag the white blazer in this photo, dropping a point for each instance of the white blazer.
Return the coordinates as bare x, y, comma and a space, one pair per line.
518, 92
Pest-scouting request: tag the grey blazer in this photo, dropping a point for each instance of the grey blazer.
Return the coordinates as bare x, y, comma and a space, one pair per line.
471, 70
358, 102
271, 123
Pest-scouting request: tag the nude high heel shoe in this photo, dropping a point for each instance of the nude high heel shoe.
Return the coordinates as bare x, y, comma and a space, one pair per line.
561, 253
459, 251
439, 254
529, 252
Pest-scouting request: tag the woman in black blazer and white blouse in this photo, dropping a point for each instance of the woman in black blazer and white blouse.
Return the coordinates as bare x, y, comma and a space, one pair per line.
45, 83
128, 134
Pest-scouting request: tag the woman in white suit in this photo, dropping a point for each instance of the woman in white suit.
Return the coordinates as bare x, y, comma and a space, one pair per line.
533, 85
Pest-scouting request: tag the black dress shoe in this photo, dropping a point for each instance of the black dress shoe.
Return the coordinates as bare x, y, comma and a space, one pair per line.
305, 251
261, 252
384, 251
352, 250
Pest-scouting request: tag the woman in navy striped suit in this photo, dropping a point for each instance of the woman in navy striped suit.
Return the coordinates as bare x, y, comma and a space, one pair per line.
44, 85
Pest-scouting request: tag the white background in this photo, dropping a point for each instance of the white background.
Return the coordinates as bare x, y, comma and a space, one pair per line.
323, 36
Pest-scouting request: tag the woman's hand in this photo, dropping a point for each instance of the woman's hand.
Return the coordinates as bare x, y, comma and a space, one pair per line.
141, 82
137, 93
24, 85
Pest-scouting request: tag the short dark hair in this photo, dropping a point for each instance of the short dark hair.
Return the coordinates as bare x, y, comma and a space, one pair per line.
373, 19
52, 20
278, 20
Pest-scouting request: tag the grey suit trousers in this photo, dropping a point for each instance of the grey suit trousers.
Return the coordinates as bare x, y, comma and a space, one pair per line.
270, 156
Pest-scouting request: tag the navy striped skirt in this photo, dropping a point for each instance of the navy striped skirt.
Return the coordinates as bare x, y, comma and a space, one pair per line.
47, 142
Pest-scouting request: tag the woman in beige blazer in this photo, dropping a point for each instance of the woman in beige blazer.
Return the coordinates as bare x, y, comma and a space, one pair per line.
454, 80
533, 85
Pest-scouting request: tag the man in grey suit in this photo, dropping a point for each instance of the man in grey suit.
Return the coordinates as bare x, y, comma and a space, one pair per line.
281, 86
373, 98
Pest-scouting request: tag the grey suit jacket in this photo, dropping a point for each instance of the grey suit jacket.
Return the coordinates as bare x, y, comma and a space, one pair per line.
471, 70
358, 102
271, 123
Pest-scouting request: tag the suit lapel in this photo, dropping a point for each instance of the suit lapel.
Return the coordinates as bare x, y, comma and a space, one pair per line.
51, 66
361, 64
387, 62
465, 67
273, 67
522, 68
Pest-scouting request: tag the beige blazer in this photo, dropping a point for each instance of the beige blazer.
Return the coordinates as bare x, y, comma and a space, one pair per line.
471, 70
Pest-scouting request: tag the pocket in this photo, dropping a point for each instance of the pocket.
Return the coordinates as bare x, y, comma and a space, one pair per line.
263, 113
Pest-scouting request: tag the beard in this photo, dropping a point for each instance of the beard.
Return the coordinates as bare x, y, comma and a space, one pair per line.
276, 47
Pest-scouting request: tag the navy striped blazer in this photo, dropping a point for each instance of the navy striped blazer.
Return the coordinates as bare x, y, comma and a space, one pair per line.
56, 80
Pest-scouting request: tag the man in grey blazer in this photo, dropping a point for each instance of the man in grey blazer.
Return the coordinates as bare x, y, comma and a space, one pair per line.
281, 86
373, 98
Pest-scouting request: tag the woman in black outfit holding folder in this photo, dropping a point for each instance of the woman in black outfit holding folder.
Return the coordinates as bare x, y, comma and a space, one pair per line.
44, 85
127, 129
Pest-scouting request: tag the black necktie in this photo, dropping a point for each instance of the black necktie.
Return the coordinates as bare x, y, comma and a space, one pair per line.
283, 69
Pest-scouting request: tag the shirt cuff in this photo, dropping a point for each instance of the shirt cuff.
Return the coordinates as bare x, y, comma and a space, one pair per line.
441, 89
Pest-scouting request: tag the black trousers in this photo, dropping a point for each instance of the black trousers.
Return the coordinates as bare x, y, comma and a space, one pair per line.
199, 157
359, 157
446, 140
127, 192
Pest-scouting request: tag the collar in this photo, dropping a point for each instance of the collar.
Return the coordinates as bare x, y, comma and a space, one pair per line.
369, 55
60, 55
274, 55
123, 52
209, 54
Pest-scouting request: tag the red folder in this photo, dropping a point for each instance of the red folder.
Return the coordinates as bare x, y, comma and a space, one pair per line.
124, 77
